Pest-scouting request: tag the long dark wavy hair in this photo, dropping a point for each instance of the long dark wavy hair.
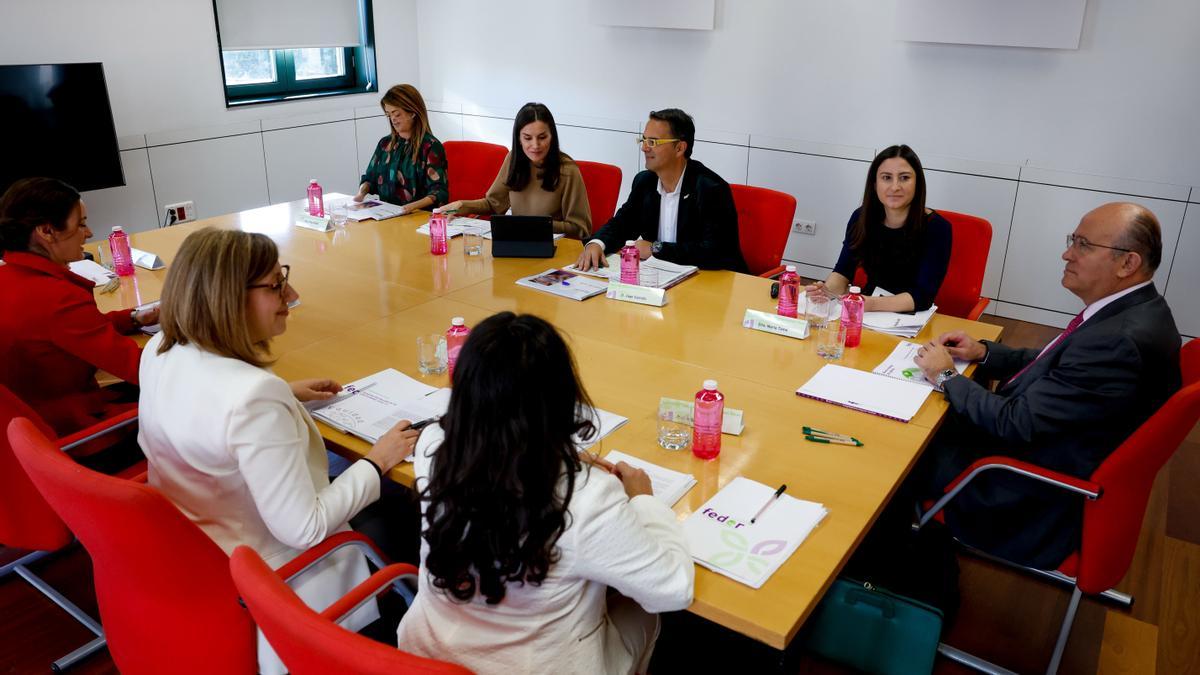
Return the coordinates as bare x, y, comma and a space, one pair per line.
872, 212
502, 480
520, 169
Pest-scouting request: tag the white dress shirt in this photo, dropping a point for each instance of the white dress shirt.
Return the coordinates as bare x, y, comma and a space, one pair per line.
668, 209
562, 625
229, 444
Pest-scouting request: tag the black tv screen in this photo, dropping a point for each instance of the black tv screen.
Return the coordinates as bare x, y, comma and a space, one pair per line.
55, 120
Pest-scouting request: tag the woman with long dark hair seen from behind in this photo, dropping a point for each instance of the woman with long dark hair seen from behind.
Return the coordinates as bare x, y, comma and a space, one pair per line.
408, 166
902, 246
52, 336
536, 178
523, 540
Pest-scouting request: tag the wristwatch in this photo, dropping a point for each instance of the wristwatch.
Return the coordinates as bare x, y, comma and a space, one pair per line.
940, 378
134, 318
655, 248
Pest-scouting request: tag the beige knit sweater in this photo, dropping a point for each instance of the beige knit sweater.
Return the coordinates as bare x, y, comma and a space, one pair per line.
567, 204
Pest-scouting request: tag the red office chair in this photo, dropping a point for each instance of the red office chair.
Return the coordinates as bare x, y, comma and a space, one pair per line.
764, 222
1116, 494
471, 167
603, 183
27, 521
959, 294
309, 642
166, 597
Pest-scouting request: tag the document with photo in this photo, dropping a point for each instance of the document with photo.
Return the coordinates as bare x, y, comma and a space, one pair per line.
565, 284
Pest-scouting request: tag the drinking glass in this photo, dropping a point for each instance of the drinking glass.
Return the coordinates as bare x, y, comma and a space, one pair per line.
338, 215
673, 434
431, 354
831, 336
817, 309
472, 238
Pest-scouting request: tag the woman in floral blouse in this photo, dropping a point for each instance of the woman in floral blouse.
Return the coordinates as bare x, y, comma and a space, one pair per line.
409, 164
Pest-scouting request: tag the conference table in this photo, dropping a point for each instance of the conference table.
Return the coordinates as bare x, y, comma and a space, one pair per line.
369, 289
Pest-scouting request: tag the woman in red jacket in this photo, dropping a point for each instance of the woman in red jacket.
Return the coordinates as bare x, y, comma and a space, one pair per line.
52, 336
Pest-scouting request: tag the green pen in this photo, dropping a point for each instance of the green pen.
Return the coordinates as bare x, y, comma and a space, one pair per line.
826, 434
835, 441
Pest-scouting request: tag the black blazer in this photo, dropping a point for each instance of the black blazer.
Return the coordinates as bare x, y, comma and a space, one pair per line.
707, 232
1068, 412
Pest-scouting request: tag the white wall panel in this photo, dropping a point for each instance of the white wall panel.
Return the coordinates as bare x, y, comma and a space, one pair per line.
827, 190
600, 145
130, 206
1184, 281
446, 126
989, 198
1043, 217
221, 175
496, 130
729, 161
367, 132
326, 152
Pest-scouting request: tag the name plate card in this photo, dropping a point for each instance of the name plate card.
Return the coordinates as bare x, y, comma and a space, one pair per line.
732, 422
318, 223
655, 297
774, 323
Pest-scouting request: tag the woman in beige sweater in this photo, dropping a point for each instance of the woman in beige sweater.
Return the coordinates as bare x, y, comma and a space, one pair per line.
536, 179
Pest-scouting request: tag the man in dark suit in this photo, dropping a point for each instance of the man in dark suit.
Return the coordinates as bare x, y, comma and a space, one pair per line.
678, 209
1066, 407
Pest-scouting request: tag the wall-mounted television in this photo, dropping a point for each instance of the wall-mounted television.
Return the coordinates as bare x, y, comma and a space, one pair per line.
55, 120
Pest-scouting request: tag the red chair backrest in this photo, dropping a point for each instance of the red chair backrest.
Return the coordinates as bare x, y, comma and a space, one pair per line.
471, 167
26, 520
166, 599
603, 184
309, 643
764, 223
961, 289
1111, 524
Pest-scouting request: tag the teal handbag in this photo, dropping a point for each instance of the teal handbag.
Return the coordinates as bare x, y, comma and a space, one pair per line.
874, 630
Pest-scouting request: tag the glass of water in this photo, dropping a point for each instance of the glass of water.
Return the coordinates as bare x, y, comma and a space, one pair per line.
673, 434
472, 238
338, 215
831, 336
431, 354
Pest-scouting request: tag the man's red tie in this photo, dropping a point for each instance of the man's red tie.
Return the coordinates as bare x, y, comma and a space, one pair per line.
1070, 329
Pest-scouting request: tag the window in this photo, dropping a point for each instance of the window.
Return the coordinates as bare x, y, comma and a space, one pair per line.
270, 75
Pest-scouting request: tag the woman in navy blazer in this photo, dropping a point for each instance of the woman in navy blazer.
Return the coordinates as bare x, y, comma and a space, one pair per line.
53, 337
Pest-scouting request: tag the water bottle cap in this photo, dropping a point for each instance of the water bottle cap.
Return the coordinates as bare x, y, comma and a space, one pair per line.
118, 228
312, 181
710, 385
630, 242
855, 289
458, 321
789, 268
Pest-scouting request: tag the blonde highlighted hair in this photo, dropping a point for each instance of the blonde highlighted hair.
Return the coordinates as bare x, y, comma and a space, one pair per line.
204, 297
407, 98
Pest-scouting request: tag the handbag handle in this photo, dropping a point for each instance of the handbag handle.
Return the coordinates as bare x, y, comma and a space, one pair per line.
885, 605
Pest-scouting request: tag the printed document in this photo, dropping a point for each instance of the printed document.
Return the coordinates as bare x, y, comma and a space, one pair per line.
868, 392
668, 485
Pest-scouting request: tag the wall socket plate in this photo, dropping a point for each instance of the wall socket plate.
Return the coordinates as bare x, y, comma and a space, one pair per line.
180, 212
805, 227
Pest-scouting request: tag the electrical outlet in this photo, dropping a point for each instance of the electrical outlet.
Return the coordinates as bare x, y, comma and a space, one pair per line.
180, 212
808, 227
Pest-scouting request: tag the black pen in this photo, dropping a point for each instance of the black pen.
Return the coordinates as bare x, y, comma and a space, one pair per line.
424, 423
770, 501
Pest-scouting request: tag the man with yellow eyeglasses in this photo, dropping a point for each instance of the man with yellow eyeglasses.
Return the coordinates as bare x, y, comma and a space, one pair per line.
678, 209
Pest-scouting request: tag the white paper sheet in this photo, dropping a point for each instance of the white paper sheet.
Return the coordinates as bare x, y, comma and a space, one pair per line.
902, 365
868, 392
93, 271
668, 485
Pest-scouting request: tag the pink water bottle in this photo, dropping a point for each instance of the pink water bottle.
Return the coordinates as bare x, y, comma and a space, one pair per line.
437, 234
316, 199
631, 262
789, 292
852, 316
456, 335
707, 415
118, 245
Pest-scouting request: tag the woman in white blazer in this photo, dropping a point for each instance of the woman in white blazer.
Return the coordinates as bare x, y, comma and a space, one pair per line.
228, 441
533, 561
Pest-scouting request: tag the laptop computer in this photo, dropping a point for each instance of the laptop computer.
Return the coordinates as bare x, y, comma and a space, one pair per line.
522, 237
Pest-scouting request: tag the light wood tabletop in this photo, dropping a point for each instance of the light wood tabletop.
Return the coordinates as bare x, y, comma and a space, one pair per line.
368, 290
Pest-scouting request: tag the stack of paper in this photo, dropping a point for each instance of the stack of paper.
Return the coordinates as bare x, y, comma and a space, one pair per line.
372, 207
668, 485
722, 538
564, 283
605, 422
868, 392
669, 273
902, 365
367, 408
93, 271
899, 324
455, 226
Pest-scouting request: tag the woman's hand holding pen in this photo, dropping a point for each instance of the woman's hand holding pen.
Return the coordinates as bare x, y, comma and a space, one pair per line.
636, 481
394, 446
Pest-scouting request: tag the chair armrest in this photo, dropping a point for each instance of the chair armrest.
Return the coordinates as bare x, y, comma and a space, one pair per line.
375, 584
1070, 483
99, 429
977, 310
772, 273
316, 554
